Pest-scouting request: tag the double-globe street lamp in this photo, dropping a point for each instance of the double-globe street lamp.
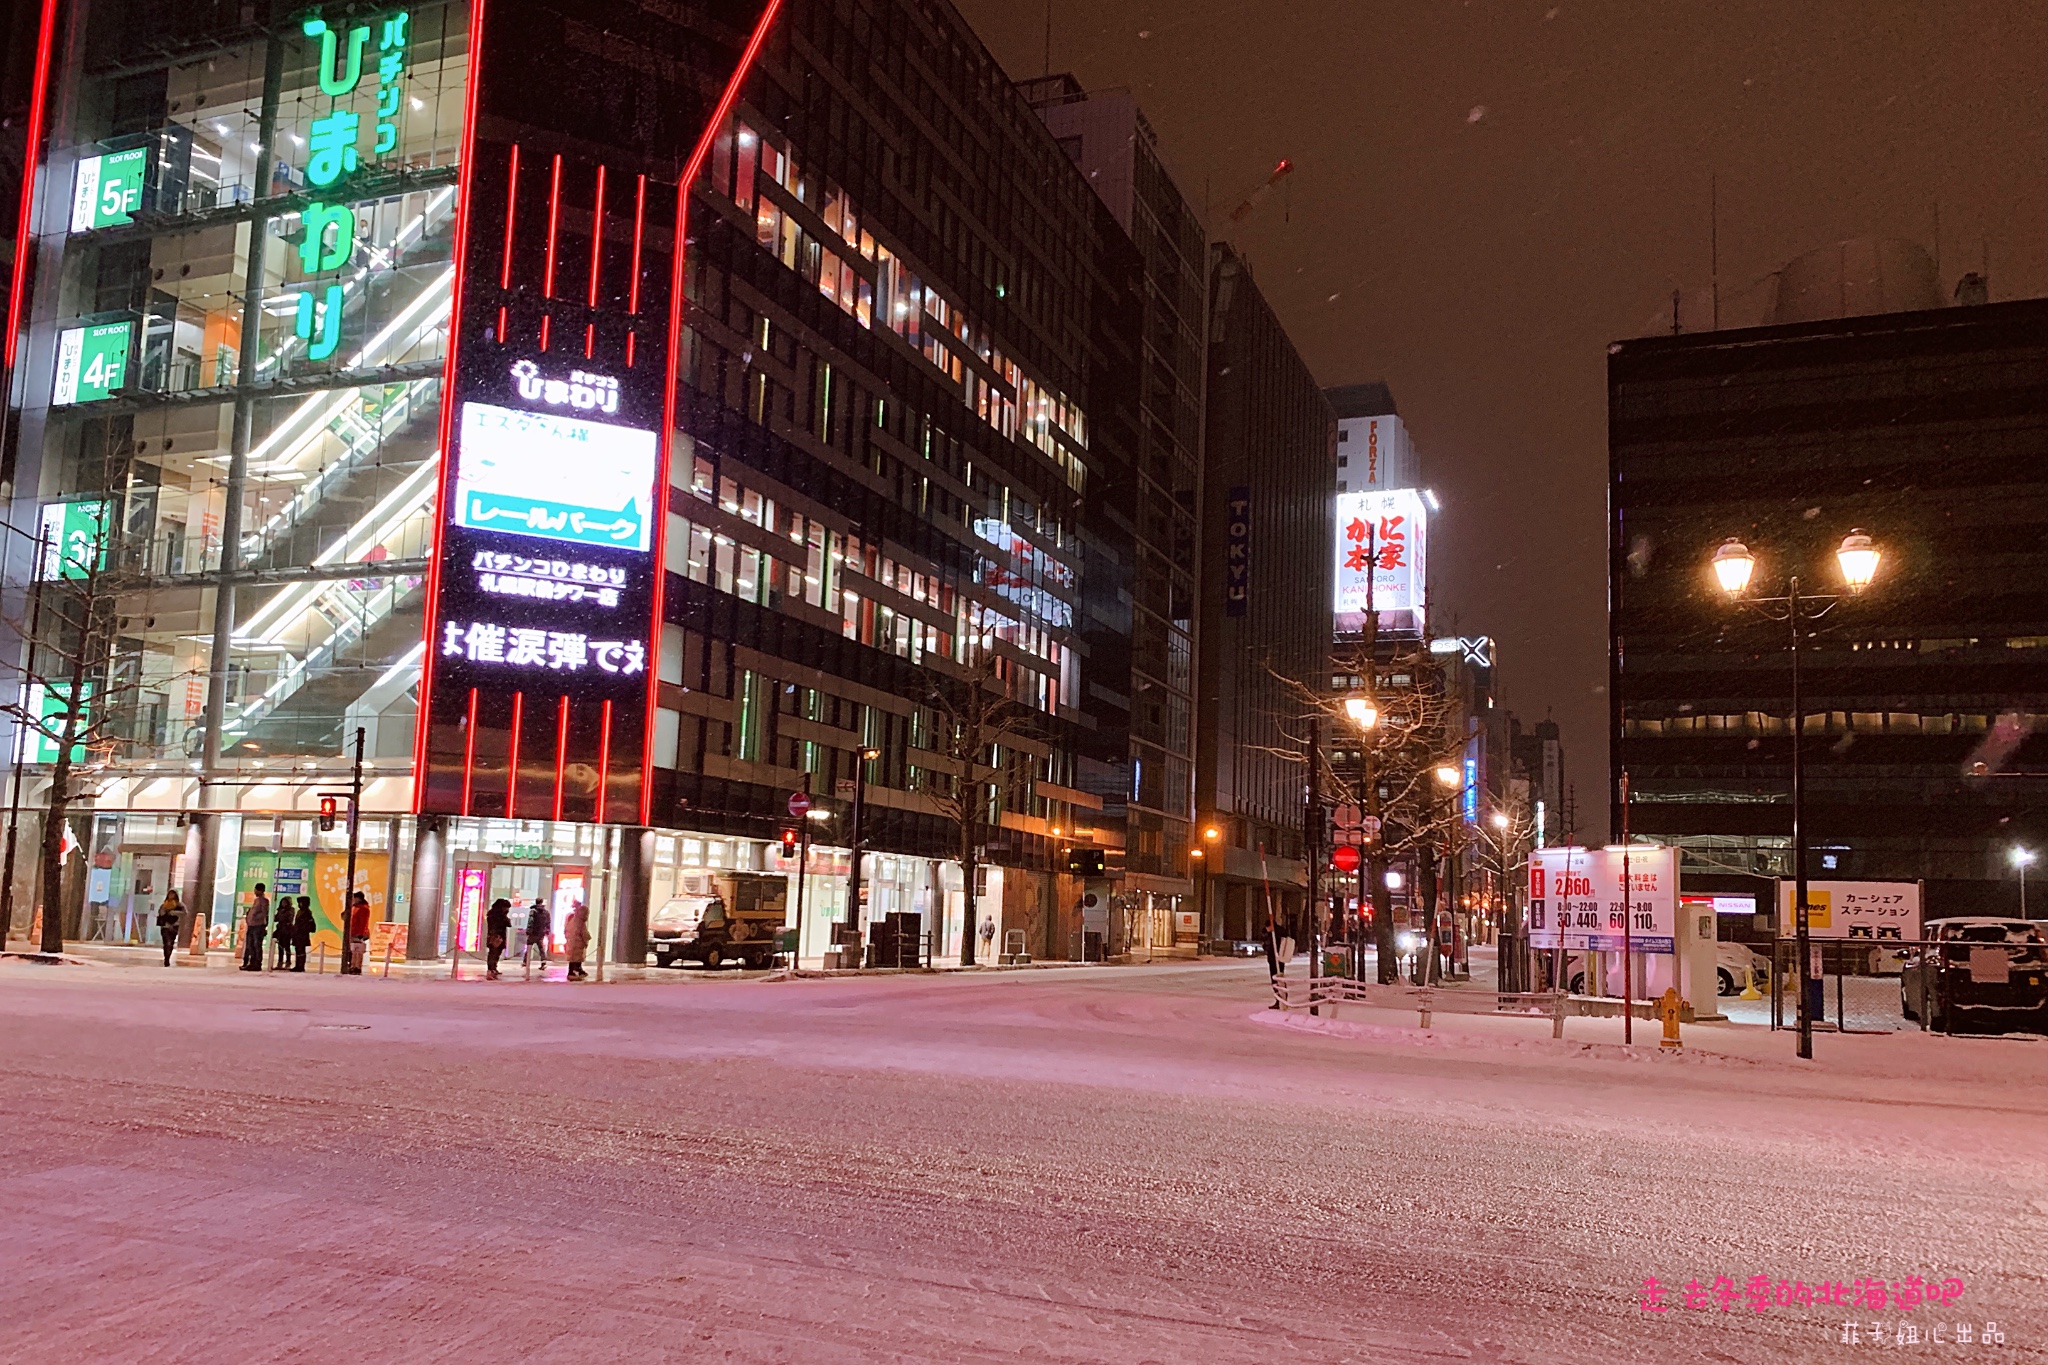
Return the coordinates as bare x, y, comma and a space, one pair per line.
1733, 565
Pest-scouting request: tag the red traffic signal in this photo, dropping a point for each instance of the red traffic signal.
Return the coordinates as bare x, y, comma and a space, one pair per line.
789, 843
328, 805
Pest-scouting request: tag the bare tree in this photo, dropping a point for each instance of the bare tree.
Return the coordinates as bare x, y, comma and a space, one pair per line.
980, 740
72, 697
1501, 847
1394, 778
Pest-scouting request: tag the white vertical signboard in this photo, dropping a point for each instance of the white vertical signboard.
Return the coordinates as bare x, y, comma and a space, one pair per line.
1575, 895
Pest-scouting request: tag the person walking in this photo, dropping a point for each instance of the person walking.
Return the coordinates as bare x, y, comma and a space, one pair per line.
497, 928
302, 933
576, 939
169, 916
253, 929
358, 931
539, 924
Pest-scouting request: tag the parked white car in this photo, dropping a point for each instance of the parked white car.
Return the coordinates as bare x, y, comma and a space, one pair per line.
1735, 966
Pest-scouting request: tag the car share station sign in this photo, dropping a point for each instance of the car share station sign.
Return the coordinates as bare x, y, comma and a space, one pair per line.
1380, 554
1576, 901
542, 633
1877, 911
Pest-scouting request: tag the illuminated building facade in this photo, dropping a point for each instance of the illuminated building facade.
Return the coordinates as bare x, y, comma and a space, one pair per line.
410, 400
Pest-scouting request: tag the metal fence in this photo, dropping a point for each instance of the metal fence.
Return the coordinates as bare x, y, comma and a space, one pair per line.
1862, 987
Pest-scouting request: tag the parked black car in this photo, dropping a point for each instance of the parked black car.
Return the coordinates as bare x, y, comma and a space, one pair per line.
1978, 974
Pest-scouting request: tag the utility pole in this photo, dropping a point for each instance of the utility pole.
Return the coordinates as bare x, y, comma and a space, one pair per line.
803, 867
355, 825
1311, 841
1628, 914
861, 759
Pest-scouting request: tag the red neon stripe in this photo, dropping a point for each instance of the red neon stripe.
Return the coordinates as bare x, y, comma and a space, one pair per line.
561, 750
545, 319
32, 155
511, 217
547, 286
604, 760
589, 340
597, 237
501, 324
639, 220
512, 767
468, 752
433, 612
629, 350
691, 170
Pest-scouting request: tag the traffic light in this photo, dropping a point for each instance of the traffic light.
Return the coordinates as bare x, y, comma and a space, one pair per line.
327, 808
789, 843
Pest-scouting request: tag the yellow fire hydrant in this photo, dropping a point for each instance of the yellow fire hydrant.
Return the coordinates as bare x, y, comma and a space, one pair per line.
1667, 1010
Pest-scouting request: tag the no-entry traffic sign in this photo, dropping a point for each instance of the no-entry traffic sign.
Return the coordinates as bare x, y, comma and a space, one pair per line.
799, 804
1345, 857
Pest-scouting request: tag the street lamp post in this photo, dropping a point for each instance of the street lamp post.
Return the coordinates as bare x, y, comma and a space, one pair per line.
1733, 564
1364, 712
2020, 858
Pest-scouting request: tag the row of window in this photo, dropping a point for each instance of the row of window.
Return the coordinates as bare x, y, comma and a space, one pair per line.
866, 278
1823, 722
830, 570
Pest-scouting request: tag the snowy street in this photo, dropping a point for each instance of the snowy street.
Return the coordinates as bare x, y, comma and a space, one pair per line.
1107, 1165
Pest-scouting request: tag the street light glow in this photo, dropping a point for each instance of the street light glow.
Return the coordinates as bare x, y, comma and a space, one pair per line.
1363, 713
1393, 880
1447, 774
1500, 819
2022, 857
1212, 834
1733, 564
1858, 558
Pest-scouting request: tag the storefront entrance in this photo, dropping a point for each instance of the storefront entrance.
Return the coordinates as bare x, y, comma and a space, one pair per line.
480, 879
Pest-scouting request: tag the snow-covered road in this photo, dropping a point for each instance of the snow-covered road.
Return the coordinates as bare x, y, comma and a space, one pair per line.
1097, 1165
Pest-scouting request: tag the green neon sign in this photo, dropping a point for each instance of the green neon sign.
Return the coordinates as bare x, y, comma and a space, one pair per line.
92, 362
107, 189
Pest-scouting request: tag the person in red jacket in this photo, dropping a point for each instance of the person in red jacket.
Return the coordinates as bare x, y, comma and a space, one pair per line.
358, 931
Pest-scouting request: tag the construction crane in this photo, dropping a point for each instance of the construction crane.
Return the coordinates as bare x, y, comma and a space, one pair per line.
1281, 171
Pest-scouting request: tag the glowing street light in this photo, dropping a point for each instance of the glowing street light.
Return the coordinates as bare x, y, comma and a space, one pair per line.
1858, 558
2021, 857
1363, 713
1733, 564
1447, 774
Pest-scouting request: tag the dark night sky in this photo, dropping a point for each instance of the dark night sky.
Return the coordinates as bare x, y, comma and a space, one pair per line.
1487, 193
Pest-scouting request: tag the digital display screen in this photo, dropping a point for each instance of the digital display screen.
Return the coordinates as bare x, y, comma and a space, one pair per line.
551, 476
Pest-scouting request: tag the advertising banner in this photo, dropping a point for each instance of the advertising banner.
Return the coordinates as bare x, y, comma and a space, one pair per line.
1381, 549
1575, 895
1871, 910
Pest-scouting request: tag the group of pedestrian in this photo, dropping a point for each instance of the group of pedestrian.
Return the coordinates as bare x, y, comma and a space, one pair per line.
539, 928
289, 927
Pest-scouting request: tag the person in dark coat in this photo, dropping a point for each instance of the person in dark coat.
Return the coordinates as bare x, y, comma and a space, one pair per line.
284, 921
169, 916
302, 933
539, 924
497, 929
253, 929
